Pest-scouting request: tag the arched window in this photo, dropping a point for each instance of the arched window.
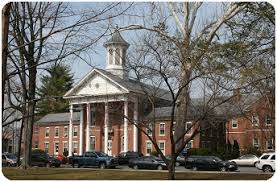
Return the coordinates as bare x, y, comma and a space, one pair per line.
110, 56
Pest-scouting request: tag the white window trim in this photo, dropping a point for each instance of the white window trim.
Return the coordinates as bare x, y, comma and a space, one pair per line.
73, 147
73, 132
190, 131
48, 132
268, 145
148, 141
64, 147
160, 129
64, 132
55, 132
162, 141
90, 142
148, 130
45, 145
266, 121
55, 147
235, 120
254, 142
252, 119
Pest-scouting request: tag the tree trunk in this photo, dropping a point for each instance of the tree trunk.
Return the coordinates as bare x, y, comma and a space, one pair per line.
19, 142
171, 170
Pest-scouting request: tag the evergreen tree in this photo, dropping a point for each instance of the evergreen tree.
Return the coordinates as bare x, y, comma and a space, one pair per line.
236, 152
54, 85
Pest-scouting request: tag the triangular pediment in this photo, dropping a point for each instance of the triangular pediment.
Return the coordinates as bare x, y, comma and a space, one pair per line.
96, 83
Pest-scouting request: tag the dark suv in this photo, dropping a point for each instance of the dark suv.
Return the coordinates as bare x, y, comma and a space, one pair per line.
124, 157
211, 163
44, 160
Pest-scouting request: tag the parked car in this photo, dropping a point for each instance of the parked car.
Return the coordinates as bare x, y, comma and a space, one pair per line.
266, 162
95, 159
9, 159
180, 161
191, 159
213, 163
147, 162
44, 160
124, 157
246, 160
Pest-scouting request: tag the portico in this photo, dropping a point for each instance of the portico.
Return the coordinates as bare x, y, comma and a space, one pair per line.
108, 104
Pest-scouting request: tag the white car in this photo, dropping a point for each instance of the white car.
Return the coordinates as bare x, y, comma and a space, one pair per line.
246, 160
266, 162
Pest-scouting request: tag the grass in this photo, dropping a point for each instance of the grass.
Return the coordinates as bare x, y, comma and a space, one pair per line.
95, 174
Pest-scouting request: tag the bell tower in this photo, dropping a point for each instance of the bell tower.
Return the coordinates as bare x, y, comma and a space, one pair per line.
116, 54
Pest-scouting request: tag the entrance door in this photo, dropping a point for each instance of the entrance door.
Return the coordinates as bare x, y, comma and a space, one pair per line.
110, 147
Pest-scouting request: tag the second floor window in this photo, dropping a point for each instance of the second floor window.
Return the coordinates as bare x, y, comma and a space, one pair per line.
47, 131
234, 123
268, 120
162, 129
255, 120
57, 132
75, 131
65, 131
256, 143
149, 129
92, 117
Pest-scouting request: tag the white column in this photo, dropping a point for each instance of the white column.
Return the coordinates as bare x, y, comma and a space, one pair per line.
125, 129
106, 134
70, 131
81, 131
135, 134
87, 126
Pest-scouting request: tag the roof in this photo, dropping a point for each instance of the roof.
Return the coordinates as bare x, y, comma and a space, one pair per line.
116, 39
126, 83
59, 117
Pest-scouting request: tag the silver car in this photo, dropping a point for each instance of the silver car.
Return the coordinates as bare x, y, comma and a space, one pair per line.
246, 160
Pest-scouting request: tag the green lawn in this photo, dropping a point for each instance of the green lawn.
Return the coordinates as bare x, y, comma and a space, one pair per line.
95, 174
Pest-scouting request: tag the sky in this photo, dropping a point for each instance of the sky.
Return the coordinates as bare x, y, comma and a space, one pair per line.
98, 57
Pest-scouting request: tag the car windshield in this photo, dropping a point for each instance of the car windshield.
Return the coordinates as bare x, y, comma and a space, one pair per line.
11, 156
101, 154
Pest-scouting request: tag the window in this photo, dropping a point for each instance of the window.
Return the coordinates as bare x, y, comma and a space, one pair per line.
268, 120
110, 56
256, 143
269, 144
117, 56
46, 147
65, 146
148, 147
92, 117
173, 127
234, 123
149, 129
265, 157
36, 144
162, 129
188, 125
56, 147
92, 142
75, 147
65, 131
123, 56
122, 143
255, 120
75, 131
189, 144
47, 130
162, 146
56, 132
272, 157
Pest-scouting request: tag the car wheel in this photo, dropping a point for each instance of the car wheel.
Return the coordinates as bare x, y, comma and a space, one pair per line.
9, 164
267, 169
74, 165
177, 164
194, 168
160, 167
223, 169
102, 165
135, 167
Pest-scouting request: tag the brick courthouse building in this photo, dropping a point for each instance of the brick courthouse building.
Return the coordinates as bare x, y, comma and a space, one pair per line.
103, 106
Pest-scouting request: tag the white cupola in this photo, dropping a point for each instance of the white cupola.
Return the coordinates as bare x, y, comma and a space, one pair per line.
116, 54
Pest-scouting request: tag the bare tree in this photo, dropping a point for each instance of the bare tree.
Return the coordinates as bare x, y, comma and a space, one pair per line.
41, 33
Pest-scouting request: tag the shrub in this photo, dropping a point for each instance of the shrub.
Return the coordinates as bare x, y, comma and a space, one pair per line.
252, 150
